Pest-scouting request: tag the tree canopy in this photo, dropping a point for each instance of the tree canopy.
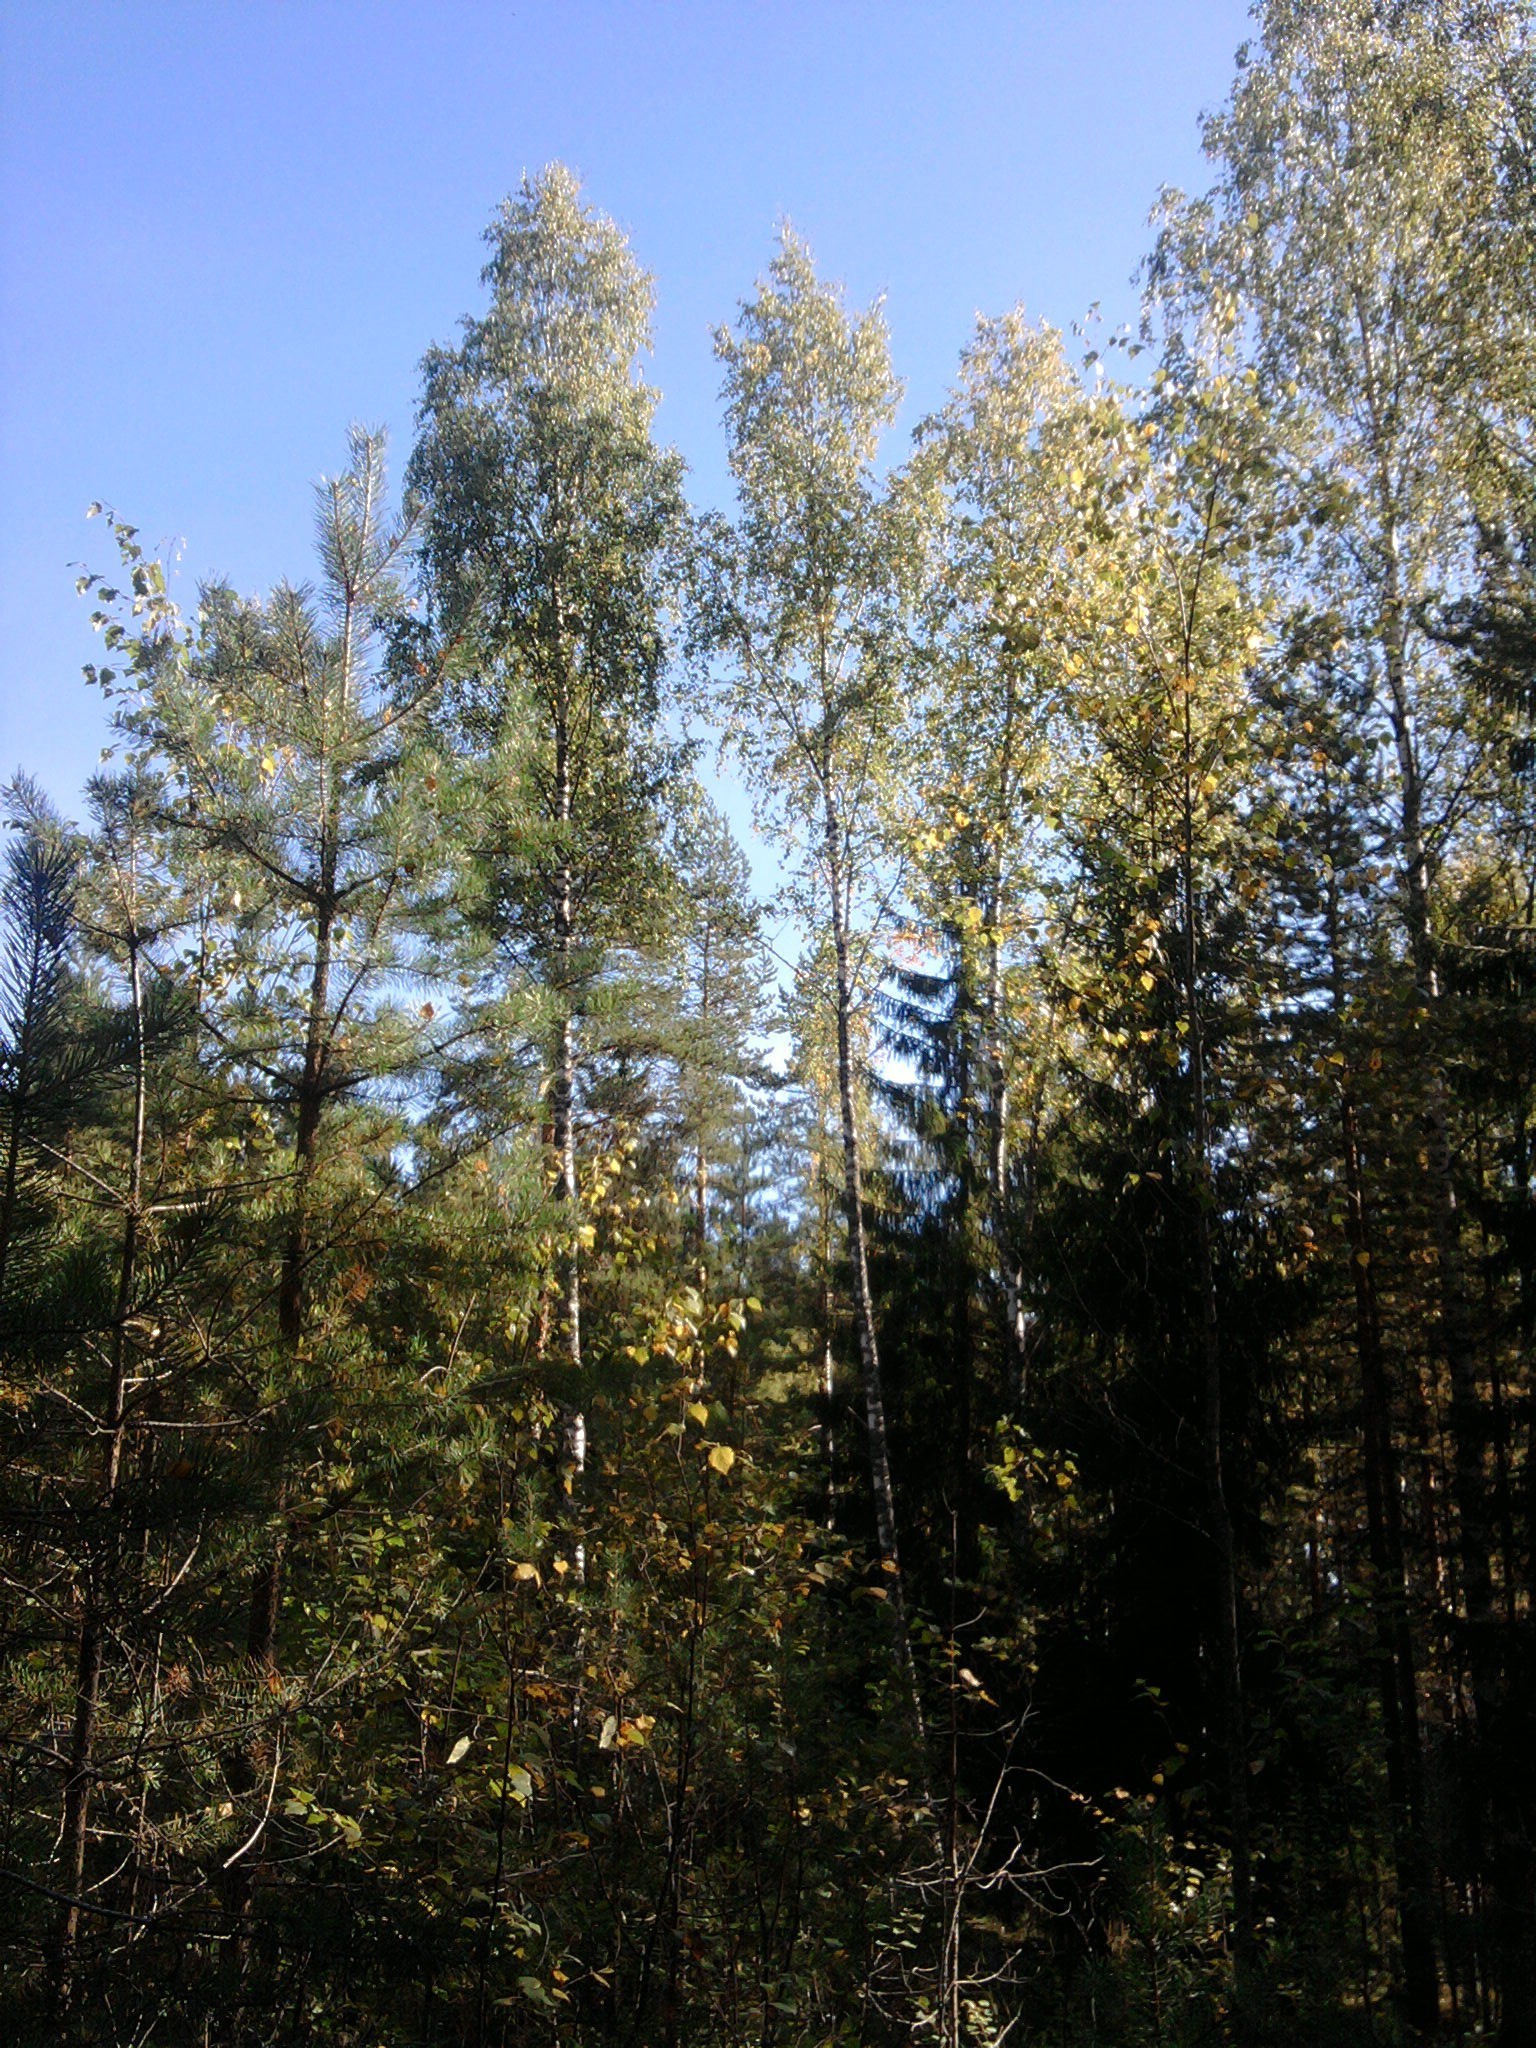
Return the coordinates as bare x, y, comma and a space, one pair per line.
565, 1479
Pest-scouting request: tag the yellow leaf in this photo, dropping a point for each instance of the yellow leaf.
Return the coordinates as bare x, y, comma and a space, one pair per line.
698, 1412
722, 1458
525, 1572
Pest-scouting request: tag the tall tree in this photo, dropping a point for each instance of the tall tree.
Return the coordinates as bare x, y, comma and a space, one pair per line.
1358, 178
1170, 808
805, 603
300, 798
995, 480
550, 517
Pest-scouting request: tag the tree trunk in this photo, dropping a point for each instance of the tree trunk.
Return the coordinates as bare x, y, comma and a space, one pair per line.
309, 1108
1397, 1665
1233, 1733
881, 1485
1005, 1247
965, 1491
102, 1570
563, 1100
266, 1596
700, 1162
1397, 1668
1501, 1733
998, 1108
828, 1359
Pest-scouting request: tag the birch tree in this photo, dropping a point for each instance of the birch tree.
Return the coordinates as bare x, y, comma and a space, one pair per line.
996, 481
550, 520
807, 592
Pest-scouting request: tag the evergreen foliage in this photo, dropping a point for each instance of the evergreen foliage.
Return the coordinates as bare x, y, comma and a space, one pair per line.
554, 1490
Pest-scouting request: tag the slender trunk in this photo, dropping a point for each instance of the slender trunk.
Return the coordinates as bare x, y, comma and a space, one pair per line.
77, 1790
267, 1578
1397, 1668
564, 1079
563, 1093
998, 1109
700, 1163
1229, 1667
965, 1492
1397, 1665
1498, 1404
951, 1916
1003, 1236
828, 1361
665, 1930
102, 1570
1501, 1736
881, 1484
498, 1874
564, 1122
265, 1606
1469, 1431
310, 1102
309, 1109
573, 1420
853, 1201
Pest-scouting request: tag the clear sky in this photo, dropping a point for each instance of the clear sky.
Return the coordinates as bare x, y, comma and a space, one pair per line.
229, 228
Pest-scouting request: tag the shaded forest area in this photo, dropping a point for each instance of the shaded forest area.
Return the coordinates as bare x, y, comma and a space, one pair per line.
560, 1485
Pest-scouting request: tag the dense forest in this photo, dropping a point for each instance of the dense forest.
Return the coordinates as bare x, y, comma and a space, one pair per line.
565, 1478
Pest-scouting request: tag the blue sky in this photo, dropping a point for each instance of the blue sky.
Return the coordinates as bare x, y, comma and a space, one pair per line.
228, 229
